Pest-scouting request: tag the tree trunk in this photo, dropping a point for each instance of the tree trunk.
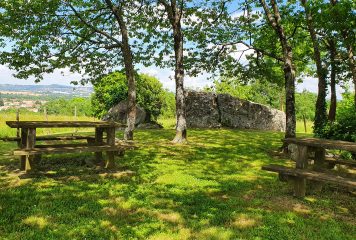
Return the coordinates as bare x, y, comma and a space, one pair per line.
289, 72
130, 75
181, 126
174, 15
129, 70
332, 51
320, 109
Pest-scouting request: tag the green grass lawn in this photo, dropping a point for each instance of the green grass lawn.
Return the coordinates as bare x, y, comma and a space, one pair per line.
211, 188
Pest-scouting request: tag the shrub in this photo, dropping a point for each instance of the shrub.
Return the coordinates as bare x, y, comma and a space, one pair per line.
112, 89
344, 127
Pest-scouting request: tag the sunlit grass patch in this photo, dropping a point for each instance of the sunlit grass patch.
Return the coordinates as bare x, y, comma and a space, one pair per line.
210, 188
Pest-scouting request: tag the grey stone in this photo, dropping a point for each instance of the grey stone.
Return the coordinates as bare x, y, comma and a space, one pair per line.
202, 110
238, 113
150, 125
118, 113
208, 110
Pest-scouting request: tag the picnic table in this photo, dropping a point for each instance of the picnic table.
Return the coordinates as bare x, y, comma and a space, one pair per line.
29, 151
301, 173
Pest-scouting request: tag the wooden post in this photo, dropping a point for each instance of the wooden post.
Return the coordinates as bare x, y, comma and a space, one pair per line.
301, 163
110, 141
30, 143
23, 144
45, 113
99, 141
18, 129
319, 161
305, 124
48, 131
75, 118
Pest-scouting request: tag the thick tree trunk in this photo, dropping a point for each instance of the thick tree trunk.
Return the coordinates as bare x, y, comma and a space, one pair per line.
130, 75
320, 109
181, 125
332, 110
174, 15
129, 70
288, 68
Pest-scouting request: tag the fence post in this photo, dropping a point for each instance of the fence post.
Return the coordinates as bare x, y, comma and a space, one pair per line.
18, 119
75, 118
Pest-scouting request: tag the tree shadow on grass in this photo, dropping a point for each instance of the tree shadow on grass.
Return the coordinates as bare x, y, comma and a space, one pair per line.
211, 188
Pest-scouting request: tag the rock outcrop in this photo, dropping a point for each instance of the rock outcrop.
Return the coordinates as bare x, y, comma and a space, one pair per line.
209, 110
202, 110
118, 113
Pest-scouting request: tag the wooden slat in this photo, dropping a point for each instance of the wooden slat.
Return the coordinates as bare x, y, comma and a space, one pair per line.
323, 143
351, 163
49, 138
70, 149
312, 175
60, 124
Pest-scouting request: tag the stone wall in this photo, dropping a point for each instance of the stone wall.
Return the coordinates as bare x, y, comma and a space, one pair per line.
209, 110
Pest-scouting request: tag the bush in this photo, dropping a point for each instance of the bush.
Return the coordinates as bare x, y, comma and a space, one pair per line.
344, 127
112, 89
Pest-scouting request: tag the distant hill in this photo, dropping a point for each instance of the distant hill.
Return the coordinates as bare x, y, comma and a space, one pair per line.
56, 89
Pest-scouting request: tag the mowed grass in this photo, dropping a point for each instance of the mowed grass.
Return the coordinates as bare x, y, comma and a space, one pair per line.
211, 188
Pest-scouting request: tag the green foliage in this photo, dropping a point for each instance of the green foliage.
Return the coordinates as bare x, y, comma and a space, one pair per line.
67, 107
112, 89
169, 106
1, 102
82, 36
305, 105
344, 128
260, 92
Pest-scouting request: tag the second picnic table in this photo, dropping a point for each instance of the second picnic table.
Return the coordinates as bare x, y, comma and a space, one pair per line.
318, 146
27, 141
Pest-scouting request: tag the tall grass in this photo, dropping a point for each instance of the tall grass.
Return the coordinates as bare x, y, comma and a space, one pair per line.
6, 131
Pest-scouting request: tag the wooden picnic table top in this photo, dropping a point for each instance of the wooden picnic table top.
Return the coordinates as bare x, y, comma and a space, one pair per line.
60, 124
323, 143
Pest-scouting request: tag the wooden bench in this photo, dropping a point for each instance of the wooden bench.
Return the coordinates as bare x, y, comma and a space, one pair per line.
312, 175
301, 172
69, 148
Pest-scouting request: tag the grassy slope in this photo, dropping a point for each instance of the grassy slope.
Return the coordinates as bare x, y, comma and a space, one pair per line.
212, 188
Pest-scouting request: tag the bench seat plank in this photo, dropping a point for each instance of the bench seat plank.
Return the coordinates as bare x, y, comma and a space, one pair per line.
70, 149
312, 175
60, 124
323, 143
351, 163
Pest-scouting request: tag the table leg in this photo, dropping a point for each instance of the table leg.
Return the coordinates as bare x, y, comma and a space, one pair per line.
30, 143
301, 163
99, 132
319, 161
23, 144
110, 154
